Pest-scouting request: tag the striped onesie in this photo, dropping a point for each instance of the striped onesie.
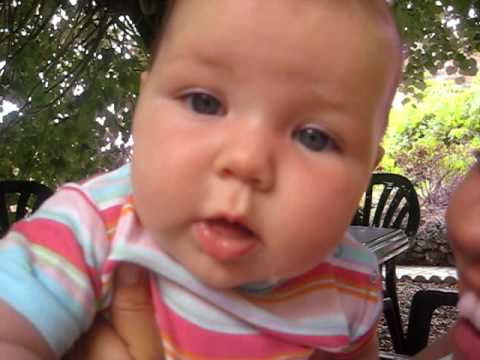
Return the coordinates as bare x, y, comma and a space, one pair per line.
57, 266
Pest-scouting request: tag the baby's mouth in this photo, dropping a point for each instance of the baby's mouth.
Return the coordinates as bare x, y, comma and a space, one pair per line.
225, 239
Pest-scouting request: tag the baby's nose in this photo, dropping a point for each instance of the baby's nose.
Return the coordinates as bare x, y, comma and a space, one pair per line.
248, 157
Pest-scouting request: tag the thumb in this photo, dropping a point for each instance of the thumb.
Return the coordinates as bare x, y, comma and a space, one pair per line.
133, 315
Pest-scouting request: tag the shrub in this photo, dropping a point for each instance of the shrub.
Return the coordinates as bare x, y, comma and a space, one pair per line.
430, 141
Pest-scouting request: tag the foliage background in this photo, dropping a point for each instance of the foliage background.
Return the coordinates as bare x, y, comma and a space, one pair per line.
67, 63
65, 66
431, 141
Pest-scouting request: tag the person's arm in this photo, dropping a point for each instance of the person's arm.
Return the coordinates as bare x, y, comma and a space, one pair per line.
132, 333
19, 339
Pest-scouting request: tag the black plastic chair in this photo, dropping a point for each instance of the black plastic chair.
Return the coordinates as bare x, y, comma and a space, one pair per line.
424, 303
19, 198
391, 202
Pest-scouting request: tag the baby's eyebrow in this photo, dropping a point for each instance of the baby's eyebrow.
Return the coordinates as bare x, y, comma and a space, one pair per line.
327, 98
211, 61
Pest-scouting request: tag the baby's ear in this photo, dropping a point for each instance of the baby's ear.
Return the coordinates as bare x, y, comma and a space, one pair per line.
380, 153
143, 79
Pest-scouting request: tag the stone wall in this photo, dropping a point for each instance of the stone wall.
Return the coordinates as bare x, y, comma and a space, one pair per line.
429, 247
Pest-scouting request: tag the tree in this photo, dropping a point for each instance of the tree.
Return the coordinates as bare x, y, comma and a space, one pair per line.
72, 67
435, 32
65, 65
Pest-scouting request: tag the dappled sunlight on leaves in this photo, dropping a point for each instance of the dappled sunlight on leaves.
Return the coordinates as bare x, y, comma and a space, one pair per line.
65, 63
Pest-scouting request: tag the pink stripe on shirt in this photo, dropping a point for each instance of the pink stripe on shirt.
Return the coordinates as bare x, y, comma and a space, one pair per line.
187, 337
59, 238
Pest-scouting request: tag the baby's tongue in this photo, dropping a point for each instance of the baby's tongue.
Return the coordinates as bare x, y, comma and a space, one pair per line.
225, 241
230, 230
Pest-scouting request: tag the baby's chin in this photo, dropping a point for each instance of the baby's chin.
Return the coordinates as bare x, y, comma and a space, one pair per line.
250, 274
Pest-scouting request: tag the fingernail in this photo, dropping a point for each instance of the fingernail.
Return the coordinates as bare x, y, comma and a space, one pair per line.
129, 275
467, 305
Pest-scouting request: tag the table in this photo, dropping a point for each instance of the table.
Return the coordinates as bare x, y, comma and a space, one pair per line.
387, 244
384, 242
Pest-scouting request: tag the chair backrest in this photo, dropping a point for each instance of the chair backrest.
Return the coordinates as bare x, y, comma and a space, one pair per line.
19, 198
390, 201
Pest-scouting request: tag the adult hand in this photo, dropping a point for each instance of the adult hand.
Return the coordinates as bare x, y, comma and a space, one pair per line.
132, 333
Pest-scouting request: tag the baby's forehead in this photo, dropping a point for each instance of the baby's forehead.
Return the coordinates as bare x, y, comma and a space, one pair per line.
375, 14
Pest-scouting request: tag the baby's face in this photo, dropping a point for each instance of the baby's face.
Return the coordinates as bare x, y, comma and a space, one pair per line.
463, 220
255, 134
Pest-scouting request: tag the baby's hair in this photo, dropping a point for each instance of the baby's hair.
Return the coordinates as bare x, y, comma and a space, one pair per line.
159, 20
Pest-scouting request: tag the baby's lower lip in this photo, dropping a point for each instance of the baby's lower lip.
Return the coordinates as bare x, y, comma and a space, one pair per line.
224, 241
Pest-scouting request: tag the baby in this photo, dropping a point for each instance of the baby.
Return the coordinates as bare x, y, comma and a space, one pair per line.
255, 134
463, 220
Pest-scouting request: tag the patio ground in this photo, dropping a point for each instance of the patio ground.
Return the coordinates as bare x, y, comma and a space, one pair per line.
410, 280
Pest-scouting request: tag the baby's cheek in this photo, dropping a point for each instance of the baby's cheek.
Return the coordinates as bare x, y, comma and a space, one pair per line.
468, 271
464, 235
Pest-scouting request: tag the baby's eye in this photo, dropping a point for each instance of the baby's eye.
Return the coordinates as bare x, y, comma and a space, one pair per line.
313, 139
204, 103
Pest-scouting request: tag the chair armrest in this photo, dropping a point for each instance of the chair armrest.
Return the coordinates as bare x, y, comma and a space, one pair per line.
424, 303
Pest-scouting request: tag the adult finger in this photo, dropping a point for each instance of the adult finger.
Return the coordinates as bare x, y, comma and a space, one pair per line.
99, 343
133, 314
